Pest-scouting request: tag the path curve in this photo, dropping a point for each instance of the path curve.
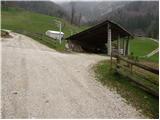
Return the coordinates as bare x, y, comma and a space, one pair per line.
38, 82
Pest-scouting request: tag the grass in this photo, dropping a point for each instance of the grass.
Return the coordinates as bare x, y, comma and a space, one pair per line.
51, 43
148, 104
142, 46
17, 19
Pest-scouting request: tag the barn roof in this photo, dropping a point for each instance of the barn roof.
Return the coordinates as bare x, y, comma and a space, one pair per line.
98, 33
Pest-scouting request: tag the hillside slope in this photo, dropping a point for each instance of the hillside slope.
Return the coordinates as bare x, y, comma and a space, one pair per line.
142, 46
138, 17
16, 19
28, 23
90, 10
43, 7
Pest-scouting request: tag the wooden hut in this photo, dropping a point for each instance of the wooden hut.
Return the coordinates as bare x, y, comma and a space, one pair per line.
104, 37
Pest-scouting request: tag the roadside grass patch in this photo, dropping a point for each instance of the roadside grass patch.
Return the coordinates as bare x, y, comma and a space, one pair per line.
148, 104
43, 39
142, 46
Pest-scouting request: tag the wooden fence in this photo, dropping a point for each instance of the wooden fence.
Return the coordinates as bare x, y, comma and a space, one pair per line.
137, 72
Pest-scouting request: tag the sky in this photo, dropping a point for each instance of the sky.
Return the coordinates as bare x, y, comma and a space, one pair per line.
78, 0
104, 0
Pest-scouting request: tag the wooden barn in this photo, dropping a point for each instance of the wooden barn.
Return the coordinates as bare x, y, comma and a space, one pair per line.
102, 38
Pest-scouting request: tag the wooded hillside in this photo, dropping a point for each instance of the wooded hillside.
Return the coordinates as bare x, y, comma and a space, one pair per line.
140, 18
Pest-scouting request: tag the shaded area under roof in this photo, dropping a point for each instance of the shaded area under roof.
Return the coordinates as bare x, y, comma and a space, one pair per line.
98, 33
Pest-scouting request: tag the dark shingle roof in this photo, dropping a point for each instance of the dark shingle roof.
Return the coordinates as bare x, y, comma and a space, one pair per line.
98, 33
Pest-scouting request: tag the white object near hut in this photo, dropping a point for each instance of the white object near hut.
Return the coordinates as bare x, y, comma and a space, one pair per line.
55, 34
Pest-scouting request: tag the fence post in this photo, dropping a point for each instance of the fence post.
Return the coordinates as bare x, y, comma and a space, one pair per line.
118, 61
118, 45
127, 46
42, 36
111, 61
131, 67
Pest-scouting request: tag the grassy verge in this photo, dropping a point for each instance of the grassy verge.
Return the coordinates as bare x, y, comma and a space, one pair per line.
51, 43
43, 39
19, 19
142, 46
16, 19
127, 89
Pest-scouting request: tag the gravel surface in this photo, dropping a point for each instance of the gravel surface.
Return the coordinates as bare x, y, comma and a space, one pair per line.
38, 82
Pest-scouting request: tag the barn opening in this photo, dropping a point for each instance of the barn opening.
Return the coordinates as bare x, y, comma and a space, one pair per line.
102, 38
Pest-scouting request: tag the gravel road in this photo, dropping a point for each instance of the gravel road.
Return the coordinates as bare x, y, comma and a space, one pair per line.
38, 82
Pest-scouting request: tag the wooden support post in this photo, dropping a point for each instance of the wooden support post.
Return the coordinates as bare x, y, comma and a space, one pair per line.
41, 36
124, 47
111, 61
118, 44
118, 62
127, 47
109, 42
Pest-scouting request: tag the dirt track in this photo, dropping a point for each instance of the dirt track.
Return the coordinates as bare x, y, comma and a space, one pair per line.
38, 82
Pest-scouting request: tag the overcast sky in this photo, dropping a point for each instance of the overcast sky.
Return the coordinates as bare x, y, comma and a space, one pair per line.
78, 0
103, 0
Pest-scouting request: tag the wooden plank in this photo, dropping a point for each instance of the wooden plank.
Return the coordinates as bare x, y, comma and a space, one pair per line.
148, 87
153, 70
126, 68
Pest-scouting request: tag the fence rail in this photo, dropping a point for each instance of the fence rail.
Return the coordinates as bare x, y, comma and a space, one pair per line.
125, 66
145, 67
